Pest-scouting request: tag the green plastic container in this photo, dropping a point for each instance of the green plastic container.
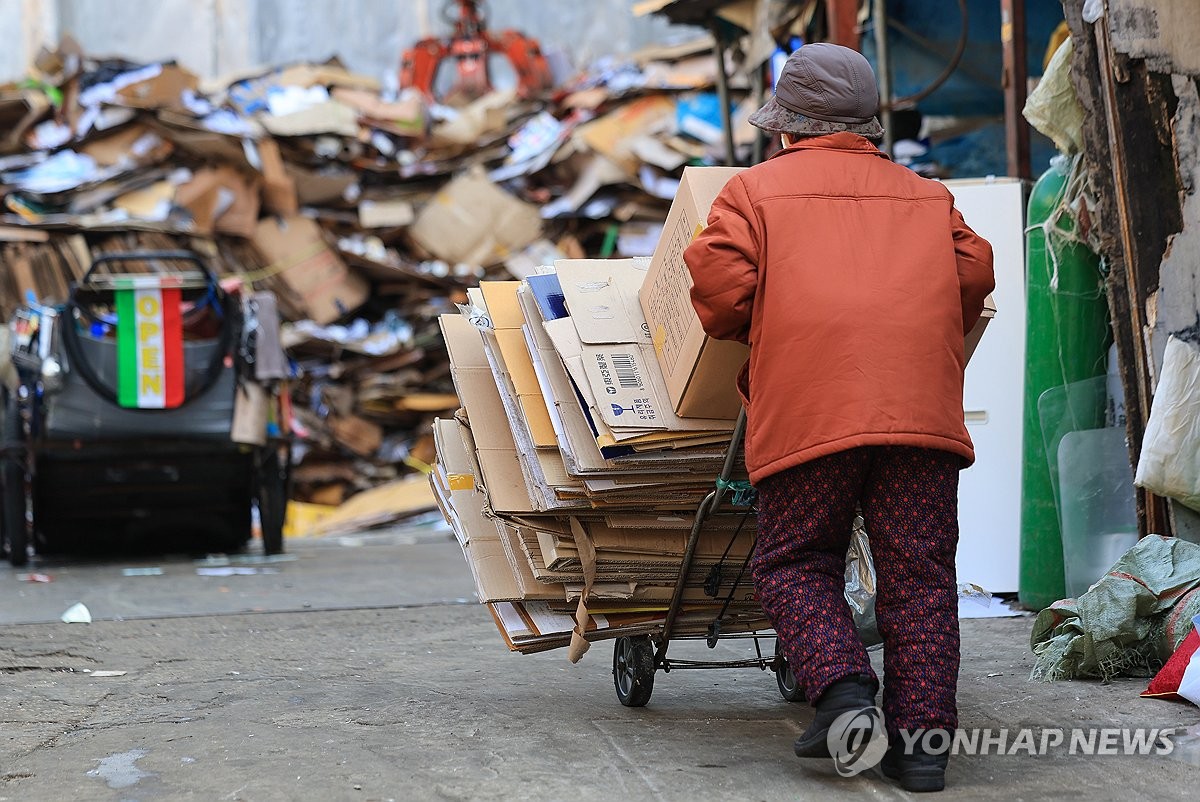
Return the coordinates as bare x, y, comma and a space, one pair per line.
1067, 337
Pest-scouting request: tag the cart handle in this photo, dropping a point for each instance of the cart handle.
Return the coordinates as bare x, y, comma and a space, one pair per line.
210, 278
707, 507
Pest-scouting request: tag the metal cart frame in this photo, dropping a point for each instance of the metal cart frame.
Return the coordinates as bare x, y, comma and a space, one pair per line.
636, 658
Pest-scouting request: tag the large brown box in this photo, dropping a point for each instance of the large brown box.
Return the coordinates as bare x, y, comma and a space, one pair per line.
699, 370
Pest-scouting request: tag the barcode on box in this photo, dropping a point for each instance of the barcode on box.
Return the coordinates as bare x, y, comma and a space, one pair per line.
627, 372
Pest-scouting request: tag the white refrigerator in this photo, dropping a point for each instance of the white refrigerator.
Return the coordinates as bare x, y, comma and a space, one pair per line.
989, 497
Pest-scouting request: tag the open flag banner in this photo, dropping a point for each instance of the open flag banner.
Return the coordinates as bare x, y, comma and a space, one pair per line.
149, 348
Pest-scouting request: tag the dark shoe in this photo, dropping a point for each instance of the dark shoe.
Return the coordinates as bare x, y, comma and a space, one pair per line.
917, 772
847, 695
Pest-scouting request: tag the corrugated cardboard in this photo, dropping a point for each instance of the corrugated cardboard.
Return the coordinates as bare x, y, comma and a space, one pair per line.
328, 74
19, 111
385, 214
315, 188
163, 90
279, 189
329, 117
322, 286
472, 220
550, 486
361, 436
379, 505
133, 144
976, 333
614, 133
495, 449
576, 441
610, 338
699, 371
531, 588
652, 541
507, 320
453, 458
483, 539
221, 200
210, 146
614, 343
404, 117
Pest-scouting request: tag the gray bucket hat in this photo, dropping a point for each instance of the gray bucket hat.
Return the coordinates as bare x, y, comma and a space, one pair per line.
823, 89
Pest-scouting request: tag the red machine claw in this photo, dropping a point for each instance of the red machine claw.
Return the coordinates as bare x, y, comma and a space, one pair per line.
461, 68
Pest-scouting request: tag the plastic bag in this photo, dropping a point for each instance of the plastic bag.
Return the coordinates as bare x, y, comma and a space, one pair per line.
861, 588
1053, 107
1168, 465
860, 583
1128, 623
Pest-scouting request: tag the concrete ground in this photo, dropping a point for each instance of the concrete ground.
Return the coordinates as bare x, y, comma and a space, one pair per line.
358, 671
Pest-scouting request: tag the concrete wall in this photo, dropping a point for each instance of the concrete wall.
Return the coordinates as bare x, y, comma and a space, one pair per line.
217, 37
1164, 32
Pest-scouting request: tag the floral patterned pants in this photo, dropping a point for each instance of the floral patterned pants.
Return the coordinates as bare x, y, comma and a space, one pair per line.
909, 499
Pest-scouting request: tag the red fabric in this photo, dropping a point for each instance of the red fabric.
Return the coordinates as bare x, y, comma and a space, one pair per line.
173, 364
1166, 681
854, 281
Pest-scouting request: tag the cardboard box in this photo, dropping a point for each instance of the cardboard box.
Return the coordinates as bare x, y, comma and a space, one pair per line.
20, 110
162, 90
614, 133
599, 294
976, 333
359, 435
329, 117
493, 444
700, 372
221, 200
473, 221
403, 117
317, 280
606, 339
507, 321
316, 188
278, 188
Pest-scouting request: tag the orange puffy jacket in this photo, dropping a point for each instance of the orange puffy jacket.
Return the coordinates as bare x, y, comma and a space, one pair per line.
853, 280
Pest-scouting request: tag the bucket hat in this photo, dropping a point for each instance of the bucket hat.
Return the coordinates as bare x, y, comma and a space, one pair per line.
823, 89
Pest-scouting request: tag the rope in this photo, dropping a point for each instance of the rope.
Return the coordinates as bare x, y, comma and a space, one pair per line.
743, 492
1059, 237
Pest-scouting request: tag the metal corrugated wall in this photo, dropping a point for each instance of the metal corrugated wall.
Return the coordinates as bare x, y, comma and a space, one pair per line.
216, 37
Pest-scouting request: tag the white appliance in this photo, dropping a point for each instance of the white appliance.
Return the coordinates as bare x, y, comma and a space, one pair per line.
989, 496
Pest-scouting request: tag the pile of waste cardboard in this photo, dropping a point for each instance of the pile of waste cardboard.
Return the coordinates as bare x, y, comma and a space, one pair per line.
596, 417
367, 213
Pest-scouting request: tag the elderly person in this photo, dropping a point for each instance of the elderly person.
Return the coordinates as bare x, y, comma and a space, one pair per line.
853, 281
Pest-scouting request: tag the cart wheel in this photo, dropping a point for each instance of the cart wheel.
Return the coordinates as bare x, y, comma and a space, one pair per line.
13, 531
633, 670
272, 499
785, 678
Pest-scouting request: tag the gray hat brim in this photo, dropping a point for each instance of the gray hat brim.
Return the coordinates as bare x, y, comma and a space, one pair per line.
776, 119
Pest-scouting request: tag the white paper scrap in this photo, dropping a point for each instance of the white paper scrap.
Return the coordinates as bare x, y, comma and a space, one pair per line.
77, 614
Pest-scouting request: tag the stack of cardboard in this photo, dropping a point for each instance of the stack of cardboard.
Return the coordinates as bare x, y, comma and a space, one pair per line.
568, 476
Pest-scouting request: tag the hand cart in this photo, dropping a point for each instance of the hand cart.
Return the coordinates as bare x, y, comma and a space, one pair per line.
637, 658
97, 472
